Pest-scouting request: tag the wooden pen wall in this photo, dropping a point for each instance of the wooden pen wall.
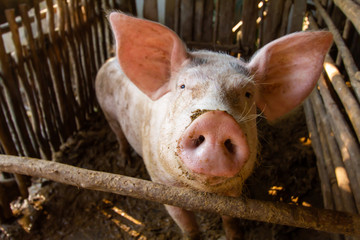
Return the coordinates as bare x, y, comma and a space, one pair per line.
333, 109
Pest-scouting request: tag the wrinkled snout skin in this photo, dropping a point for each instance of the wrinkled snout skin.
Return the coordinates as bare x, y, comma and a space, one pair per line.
214, 83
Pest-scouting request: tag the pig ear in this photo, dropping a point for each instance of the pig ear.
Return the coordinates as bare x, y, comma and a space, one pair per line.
286, 70
147, 52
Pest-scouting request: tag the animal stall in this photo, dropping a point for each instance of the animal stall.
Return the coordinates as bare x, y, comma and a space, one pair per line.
62, 175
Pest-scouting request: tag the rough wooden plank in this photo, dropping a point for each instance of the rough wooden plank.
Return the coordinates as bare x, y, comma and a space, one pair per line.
150, 10
187, 20
249, 27
177, 15
285, 18
226, 21
297, 18
207, 32
169, 14
272, 21
199, 18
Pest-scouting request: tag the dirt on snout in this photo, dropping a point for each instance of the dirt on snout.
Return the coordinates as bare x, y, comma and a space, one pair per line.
286, 172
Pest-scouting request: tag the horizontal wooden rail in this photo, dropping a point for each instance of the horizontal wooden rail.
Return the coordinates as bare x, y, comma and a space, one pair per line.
272, 212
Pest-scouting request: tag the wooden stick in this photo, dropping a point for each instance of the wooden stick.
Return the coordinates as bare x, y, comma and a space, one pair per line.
329, 167
41, 77
15, 103
249, 27
336, 165
198, 20
9, 148
347, 143
348, 60
35, 112
348, 100
351, 10
278, 213
320, 162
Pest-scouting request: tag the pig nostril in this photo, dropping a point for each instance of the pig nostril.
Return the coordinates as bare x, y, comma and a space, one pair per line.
229, 146
198, 141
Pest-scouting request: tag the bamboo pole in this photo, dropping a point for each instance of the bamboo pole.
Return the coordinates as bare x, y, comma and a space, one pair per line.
348, 60
272, 212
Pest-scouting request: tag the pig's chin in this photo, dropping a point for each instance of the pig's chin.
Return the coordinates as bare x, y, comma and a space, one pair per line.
209, 180
203, 180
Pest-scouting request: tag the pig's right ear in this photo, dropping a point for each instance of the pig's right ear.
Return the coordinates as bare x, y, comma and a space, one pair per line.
148, 53
287, 69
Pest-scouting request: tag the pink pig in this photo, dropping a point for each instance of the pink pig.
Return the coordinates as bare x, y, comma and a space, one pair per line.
192, 115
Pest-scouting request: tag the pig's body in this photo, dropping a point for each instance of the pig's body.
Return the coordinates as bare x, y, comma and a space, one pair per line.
192, 115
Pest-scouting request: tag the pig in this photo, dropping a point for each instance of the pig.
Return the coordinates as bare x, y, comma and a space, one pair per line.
191, 115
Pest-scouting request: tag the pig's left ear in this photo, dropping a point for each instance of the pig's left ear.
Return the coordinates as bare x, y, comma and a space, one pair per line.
287, 69
148, 53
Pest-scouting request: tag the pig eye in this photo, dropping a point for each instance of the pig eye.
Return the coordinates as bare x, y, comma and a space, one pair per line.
182, 86
248, 94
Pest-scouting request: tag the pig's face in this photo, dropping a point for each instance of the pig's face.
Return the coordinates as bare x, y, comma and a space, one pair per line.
216, 93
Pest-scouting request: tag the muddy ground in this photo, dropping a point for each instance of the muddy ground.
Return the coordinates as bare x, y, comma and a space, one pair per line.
286, 172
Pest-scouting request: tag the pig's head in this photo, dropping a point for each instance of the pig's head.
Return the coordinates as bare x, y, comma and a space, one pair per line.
209, 100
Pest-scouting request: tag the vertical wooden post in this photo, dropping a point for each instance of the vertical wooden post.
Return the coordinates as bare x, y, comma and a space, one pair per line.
226, 21
249, 27
187, 20
150, 10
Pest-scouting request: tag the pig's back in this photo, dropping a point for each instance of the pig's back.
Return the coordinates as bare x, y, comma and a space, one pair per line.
122, 103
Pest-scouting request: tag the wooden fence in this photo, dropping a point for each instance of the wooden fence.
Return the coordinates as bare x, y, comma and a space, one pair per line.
333, 110
51, 50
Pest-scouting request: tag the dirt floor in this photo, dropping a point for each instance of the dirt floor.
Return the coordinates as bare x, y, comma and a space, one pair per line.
286, 172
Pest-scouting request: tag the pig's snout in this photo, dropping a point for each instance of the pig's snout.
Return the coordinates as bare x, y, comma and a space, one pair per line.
214, 145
